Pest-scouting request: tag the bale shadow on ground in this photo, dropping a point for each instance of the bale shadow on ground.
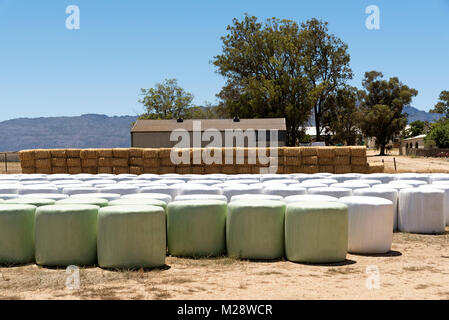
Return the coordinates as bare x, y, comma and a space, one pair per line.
391, 253
346, 262
138, 269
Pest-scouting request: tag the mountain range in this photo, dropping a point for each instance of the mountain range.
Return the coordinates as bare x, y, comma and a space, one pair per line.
94, 131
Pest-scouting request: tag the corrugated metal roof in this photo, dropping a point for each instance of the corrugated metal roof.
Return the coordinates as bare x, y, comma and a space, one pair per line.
219, 124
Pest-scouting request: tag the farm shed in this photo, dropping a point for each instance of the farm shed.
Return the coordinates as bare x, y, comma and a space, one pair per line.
156, 133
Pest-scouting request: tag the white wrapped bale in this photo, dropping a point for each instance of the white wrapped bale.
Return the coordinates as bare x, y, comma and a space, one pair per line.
196, 228
413, 176
38, 189
92, 201
70, 191
316, 232
312, 184
439, 177
131, 236
256, 197
66, 235
16, 233
193, 188
206, 182
255, 229
393, 185
37, 202
139, 202
382, 177
160, 196
51, 196
350, 185
370, 224
120, 189
173, 191
66, 182
9, 196
346, 176
386, 193
445, 188
413, 183
10, 188
107, 196
282, 181
285, 191
201, 197
310, 198
421, 210
240, 189
170, 182
369, 182
326, 181
270, 176
331, 191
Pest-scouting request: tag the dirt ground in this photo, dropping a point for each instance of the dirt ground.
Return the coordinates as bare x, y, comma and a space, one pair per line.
416, 268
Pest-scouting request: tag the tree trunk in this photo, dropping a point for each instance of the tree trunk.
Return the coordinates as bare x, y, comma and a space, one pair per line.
317, 123
382, 149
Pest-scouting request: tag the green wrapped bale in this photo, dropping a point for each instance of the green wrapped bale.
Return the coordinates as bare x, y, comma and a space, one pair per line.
131, 236
38, 202
92, 201
139, 202
255, 229
16, 233
66, 235
316, 232
196, 228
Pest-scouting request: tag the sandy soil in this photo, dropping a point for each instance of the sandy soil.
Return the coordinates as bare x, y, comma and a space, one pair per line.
416, 268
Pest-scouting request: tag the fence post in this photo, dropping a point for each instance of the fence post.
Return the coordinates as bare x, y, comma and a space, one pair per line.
394, 160
6, 163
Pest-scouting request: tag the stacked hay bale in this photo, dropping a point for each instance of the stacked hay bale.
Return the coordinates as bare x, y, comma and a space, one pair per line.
42, 161
150, 160
264, 155
73, 161
215, 154
245, 167
27, 161
120, 160
184, 166
165, 163
58, 161
342, 161
89, 161
136, 161
376, 167
292, 159
309, 158
229, 165
326, 158
359, 163
105, 161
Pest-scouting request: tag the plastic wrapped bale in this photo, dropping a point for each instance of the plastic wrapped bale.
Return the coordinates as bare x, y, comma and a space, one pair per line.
38, 202
393, 185
283, 181
440, 182
285, 191
131, 236
207, 182
386, 193
120, 189
413, 183
331, 191
9, 196
160, 196
310, 198
255, 229
256, 197
382, 177
193, 188
173, 191
196, 228
445, 188
439, 177
346, 176
326, 181
413, 176
170, 182
10, 188
66, 235
273, 176
51, 196
369, 182
316, 232
107, 196
71, 190
351, 185
370, 224
240, 189
91, 200
139, 202
16, 233
38, 189
201, 197
421, 210
312, 184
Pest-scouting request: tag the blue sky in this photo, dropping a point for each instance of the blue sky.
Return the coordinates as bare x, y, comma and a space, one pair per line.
122, 46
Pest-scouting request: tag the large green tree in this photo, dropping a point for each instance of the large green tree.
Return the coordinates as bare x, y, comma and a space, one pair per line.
443, 104
382, 107
264, 68
167, 100
343, 121
326, 67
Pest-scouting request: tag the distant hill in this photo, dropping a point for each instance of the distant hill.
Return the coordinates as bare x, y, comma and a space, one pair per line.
416, 114
85, 131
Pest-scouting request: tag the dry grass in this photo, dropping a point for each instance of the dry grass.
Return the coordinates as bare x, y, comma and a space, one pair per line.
13, 167
418, 269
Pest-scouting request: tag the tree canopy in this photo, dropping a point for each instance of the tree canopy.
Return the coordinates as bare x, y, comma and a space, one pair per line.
443, 104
